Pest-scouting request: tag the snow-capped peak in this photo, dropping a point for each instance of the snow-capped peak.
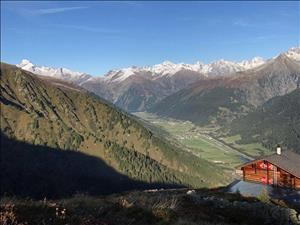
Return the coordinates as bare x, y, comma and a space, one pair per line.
249, 64
60, 73
293, 53
26, 65
167, 67
25, 62
122, 74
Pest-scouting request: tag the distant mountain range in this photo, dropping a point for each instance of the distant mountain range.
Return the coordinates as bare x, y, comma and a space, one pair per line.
220, 100
139, 88
105, 149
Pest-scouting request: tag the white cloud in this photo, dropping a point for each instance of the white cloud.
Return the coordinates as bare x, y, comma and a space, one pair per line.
54, 10
254, 24
87, 28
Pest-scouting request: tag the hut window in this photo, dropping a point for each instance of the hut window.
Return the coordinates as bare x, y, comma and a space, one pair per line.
254, 167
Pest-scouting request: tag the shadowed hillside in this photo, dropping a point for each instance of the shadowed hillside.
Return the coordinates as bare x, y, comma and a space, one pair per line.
39, 171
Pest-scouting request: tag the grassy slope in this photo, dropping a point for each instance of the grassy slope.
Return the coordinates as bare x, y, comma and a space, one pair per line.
55, 114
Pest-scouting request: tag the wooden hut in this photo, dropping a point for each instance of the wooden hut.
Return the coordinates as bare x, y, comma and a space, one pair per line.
280, 169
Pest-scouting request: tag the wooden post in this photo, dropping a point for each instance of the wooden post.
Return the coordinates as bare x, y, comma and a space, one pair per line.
294, 182
267, 172
275, 175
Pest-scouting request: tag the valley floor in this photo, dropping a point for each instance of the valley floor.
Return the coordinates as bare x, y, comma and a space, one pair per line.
153, 207
203, 142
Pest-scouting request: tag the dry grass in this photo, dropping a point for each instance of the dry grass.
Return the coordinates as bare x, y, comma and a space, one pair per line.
205, 207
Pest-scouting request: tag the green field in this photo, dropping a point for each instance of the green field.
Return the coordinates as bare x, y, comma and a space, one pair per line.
224, 152
211, 152
253, 149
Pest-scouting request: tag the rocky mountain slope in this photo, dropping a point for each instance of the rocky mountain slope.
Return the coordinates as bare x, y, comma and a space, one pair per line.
220, 100
42, 116
138, 88
276, 122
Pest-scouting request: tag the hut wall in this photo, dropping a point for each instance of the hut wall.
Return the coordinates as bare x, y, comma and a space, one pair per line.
266, 173
261, 171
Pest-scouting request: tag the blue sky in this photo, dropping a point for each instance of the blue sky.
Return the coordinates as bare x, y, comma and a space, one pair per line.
95, 37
